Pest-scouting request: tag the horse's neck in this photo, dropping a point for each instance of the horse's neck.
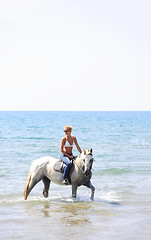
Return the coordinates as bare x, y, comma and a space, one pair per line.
79, 161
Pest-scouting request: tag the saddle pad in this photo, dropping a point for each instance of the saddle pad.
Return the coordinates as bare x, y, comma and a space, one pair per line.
59, 166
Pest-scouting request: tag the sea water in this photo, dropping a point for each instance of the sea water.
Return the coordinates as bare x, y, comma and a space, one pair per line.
121, 143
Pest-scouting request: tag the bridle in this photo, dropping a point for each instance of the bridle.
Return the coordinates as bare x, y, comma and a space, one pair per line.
83, 168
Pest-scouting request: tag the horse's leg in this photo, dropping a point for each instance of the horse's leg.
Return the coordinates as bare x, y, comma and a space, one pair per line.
46, 182
74, 191
89, 185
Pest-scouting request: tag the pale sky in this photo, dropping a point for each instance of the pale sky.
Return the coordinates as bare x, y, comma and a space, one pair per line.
75, 55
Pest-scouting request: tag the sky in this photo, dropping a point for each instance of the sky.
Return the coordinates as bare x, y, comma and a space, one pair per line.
91, 55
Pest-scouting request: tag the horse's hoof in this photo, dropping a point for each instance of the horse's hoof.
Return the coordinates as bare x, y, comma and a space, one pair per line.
45, 194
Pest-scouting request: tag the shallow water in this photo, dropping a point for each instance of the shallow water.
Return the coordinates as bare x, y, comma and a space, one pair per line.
121, 143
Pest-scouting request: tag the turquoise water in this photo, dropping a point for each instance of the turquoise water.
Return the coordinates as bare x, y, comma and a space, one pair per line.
121, 143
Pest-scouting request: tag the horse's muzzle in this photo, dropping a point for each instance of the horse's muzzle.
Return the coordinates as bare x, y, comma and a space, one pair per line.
87, 172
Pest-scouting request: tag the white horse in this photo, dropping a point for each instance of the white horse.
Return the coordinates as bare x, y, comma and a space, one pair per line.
43, 169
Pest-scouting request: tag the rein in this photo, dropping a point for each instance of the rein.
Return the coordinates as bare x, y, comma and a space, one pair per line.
81, 168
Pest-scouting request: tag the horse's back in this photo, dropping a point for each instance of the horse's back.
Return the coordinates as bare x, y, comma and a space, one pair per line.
42, 162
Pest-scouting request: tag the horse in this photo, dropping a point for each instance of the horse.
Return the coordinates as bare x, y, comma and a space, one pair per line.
43, 169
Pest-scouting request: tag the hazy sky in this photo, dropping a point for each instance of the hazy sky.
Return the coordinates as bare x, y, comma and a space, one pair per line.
75, 55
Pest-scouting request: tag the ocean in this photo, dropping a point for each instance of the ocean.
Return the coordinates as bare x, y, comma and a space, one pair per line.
121, 143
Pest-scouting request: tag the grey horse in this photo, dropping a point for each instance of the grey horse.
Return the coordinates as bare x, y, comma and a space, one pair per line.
43, 169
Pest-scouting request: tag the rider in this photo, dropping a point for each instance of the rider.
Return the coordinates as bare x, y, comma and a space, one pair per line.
66, 148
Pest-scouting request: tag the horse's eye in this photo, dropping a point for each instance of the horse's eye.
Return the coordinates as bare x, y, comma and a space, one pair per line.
83, 160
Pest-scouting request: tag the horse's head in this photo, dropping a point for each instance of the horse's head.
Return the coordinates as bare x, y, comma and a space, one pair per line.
88, 159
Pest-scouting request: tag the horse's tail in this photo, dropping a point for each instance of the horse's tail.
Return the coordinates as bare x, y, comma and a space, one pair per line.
27, 186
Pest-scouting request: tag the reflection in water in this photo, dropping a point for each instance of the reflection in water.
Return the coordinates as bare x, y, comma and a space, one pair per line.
64, 213
46, 210
62, 218
67, 213
75, 213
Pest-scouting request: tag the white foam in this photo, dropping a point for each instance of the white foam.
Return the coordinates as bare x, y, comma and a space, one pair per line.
109, 197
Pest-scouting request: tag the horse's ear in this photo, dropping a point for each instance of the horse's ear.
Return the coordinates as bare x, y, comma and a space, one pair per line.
83, 151
89, 151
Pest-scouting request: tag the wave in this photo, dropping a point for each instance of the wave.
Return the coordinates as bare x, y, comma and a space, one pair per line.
26, 138
109, 197
100, 197
113, 171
